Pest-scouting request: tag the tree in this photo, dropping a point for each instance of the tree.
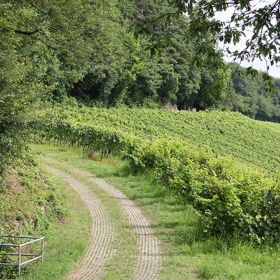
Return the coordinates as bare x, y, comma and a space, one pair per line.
249, 96
46, 47
168, 74
257, 22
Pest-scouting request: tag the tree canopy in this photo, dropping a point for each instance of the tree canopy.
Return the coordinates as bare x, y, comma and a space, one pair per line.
256, 21
46, 47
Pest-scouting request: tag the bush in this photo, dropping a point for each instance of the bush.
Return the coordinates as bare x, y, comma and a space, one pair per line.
232, 198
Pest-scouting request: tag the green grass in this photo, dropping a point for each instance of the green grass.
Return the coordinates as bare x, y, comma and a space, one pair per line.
189, 254
66, 242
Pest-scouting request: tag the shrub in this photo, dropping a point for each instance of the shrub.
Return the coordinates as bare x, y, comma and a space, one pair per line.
231, 197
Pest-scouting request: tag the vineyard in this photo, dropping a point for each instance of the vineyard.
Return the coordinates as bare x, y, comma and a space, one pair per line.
131, 144
224, 164
225, 133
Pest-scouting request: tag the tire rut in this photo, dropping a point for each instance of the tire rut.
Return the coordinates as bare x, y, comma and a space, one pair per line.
149, 257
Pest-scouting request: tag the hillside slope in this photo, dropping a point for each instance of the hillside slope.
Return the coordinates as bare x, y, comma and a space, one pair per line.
221, 163
34, 203
227, 133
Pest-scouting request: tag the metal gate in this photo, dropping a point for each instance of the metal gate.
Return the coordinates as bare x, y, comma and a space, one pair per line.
19, 250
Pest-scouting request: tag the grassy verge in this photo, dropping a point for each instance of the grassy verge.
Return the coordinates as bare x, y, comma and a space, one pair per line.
66, 242
188, 253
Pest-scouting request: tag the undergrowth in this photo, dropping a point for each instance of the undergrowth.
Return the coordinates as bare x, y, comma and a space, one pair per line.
30, 204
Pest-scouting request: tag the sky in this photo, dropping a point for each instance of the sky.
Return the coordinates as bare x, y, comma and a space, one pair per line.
258, 64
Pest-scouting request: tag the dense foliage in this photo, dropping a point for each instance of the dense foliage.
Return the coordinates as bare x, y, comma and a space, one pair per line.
256, 22
185, 72
45, 47
249, 96
153, 77
29, 201
232, 197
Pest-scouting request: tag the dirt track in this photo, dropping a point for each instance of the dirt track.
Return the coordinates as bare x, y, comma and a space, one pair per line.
101, 247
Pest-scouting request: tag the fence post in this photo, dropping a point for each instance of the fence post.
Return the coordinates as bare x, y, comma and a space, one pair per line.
19, 260
43, 248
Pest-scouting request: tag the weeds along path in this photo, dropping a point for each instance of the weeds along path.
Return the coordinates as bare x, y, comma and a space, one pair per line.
149, 258
101, 249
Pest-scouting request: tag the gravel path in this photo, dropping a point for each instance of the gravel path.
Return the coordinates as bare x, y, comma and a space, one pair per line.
149, 258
